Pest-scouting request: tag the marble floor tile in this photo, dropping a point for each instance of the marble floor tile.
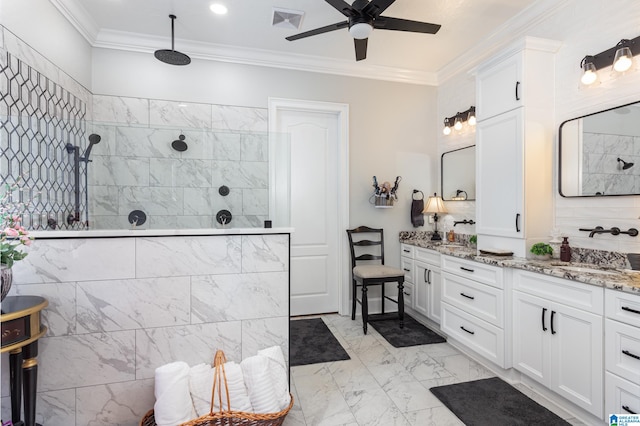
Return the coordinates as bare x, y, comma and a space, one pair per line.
436, 416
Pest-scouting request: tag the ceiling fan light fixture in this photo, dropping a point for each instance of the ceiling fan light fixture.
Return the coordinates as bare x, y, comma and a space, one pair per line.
360, 30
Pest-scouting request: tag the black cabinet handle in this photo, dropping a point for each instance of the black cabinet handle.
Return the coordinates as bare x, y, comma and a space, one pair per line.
544, 327
470, 332
426, 280
429, 277
628, 410
517, 222
627, 353
468, 297
408, 270
553, 313
517, 91
406, 251
466, 269
406, 294
625, 308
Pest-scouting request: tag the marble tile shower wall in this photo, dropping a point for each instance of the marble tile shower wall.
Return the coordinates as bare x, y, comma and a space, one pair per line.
168, 299
135, 168
603, 172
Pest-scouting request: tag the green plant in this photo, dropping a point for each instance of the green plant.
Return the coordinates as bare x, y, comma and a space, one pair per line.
541, 249
473, 239
12, 234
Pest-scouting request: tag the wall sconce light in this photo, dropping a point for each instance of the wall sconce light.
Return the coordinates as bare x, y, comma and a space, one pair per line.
459, 196
457, 120
620, 57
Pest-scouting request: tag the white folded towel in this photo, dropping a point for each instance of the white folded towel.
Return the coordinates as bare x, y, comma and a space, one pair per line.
173, 401
238, 394
278, 370
260, 386
201, 384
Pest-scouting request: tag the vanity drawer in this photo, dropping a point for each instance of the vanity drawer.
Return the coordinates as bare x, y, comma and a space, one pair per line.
583, 296
481, 272
428, 256
481, 300
623, 307
620, 396
408, 295
406, 250
476, 334
407, 266
622, 350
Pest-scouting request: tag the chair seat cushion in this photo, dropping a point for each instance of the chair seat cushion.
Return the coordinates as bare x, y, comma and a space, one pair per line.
376, 271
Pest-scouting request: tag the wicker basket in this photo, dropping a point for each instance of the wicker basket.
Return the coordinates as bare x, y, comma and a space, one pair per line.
226, 417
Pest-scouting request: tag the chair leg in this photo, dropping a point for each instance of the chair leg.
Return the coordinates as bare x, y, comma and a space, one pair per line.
365, 308
382, 298
354, 289
401, 303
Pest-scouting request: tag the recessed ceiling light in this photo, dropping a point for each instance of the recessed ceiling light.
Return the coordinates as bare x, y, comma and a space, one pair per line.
218, 8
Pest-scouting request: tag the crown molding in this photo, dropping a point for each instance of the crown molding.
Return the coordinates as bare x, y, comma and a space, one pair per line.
77, 15
502, 38
144, 43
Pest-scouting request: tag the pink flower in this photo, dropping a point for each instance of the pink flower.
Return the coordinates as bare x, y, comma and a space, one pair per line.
26, 241
11, 232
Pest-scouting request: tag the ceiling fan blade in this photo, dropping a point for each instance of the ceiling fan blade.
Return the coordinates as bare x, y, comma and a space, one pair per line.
397, 24
376, 7
361, 48
342, 6
321, 30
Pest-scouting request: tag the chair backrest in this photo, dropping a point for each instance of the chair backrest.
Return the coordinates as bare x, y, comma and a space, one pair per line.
364, 237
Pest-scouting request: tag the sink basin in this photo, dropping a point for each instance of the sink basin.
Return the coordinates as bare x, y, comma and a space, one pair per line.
582, 269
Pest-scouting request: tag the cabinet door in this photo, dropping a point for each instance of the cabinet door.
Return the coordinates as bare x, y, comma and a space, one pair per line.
499, 176
531, 316
576, 357
434, 297
499, 87
423, 275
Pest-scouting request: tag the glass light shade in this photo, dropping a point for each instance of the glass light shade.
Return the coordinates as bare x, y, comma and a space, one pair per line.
590, 75
472, 120
360, 31
623, 59
434, 205
446, 130
458, 124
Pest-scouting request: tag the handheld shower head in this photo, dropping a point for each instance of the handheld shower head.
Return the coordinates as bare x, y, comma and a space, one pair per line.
625, 165
93, 139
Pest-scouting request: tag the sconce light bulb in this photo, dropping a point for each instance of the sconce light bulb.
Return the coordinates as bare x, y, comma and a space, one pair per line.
472, 120
623, 59
446, 130
458, 124
589, 77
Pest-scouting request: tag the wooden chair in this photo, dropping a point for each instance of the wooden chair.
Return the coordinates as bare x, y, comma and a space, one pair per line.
372, 272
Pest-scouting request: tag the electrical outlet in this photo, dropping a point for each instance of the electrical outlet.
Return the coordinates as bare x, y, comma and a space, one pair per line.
430, 218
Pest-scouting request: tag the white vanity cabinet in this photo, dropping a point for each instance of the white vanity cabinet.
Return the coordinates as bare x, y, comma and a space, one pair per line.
407, 264
558, 336
473, 307
514, 141
428, 285
622, 352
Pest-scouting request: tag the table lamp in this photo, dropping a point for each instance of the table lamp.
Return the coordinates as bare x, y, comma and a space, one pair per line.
435, 205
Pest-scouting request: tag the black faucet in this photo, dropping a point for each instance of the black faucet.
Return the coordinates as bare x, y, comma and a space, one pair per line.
632, 232
464, 222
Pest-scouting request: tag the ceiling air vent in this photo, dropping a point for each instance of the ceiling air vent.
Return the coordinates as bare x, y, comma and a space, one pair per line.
287, 18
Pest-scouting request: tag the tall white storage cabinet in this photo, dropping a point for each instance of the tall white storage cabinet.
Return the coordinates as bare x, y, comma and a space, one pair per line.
514, 146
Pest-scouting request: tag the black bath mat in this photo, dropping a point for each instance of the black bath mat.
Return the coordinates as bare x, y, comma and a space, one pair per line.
412, 334
491, 402
312, 342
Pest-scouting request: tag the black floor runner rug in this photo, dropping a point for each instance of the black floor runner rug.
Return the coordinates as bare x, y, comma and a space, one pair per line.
312, 342
412, 334
491, 402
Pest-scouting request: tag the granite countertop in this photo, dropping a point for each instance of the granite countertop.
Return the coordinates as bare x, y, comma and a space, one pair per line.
614, 278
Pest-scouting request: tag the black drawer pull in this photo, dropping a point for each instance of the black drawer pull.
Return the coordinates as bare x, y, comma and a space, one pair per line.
553, 313
468, 297
627, 353
466, 269
408, 270
628, 410
406, 294
470, 332
544, 327
406, 251
624, 308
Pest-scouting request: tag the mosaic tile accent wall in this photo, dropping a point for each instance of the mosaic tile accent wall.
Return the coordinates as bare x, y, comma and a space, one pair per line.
39, 118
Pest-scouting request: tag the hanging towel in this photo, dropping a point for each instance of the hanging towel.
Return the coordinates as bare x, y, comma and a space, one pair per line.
417, 219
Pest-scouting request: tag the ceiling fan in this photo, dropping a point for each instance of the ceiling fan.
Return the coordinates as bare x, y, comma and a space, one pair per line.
362, 17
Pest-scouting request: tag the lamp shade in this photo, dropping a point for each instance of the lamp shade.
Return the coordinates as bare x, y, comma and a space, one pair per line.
434, 205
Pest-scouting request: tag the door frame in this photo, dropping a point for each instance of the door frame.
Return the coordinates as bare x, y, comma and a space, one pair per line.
279, 188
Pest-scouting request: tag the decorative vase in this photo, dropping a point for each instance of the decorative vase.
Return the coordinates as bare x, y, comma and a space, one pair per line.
6, 278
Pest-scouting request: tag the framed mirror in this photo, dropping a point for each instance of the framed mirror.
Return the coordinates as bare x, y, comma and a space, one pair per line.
458, 174
599, 153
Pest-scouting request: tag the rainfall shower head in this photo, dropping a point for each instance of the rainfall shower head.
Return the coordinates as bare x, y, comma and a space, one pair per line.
172, 57
93, 139
625, 165
179, 144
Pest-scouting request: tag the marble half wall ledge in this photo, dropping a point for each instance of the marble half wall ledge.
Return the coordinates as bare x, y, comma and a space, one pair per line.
111, 233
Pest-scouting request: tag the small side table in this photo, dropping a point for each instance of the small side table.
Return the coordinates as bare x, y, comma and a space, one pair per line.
21, 329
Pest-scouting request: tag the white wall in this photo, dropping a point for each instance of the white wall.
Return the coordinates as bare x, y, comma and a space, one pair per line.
584, 28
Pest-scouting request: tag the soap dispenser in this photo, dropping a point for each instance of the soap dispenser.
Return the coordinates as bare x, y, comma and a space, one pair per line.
565, 250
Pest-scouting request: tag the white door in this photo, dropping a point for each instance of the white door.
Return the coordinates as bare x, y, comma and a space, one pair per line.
318, 197
531, 323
